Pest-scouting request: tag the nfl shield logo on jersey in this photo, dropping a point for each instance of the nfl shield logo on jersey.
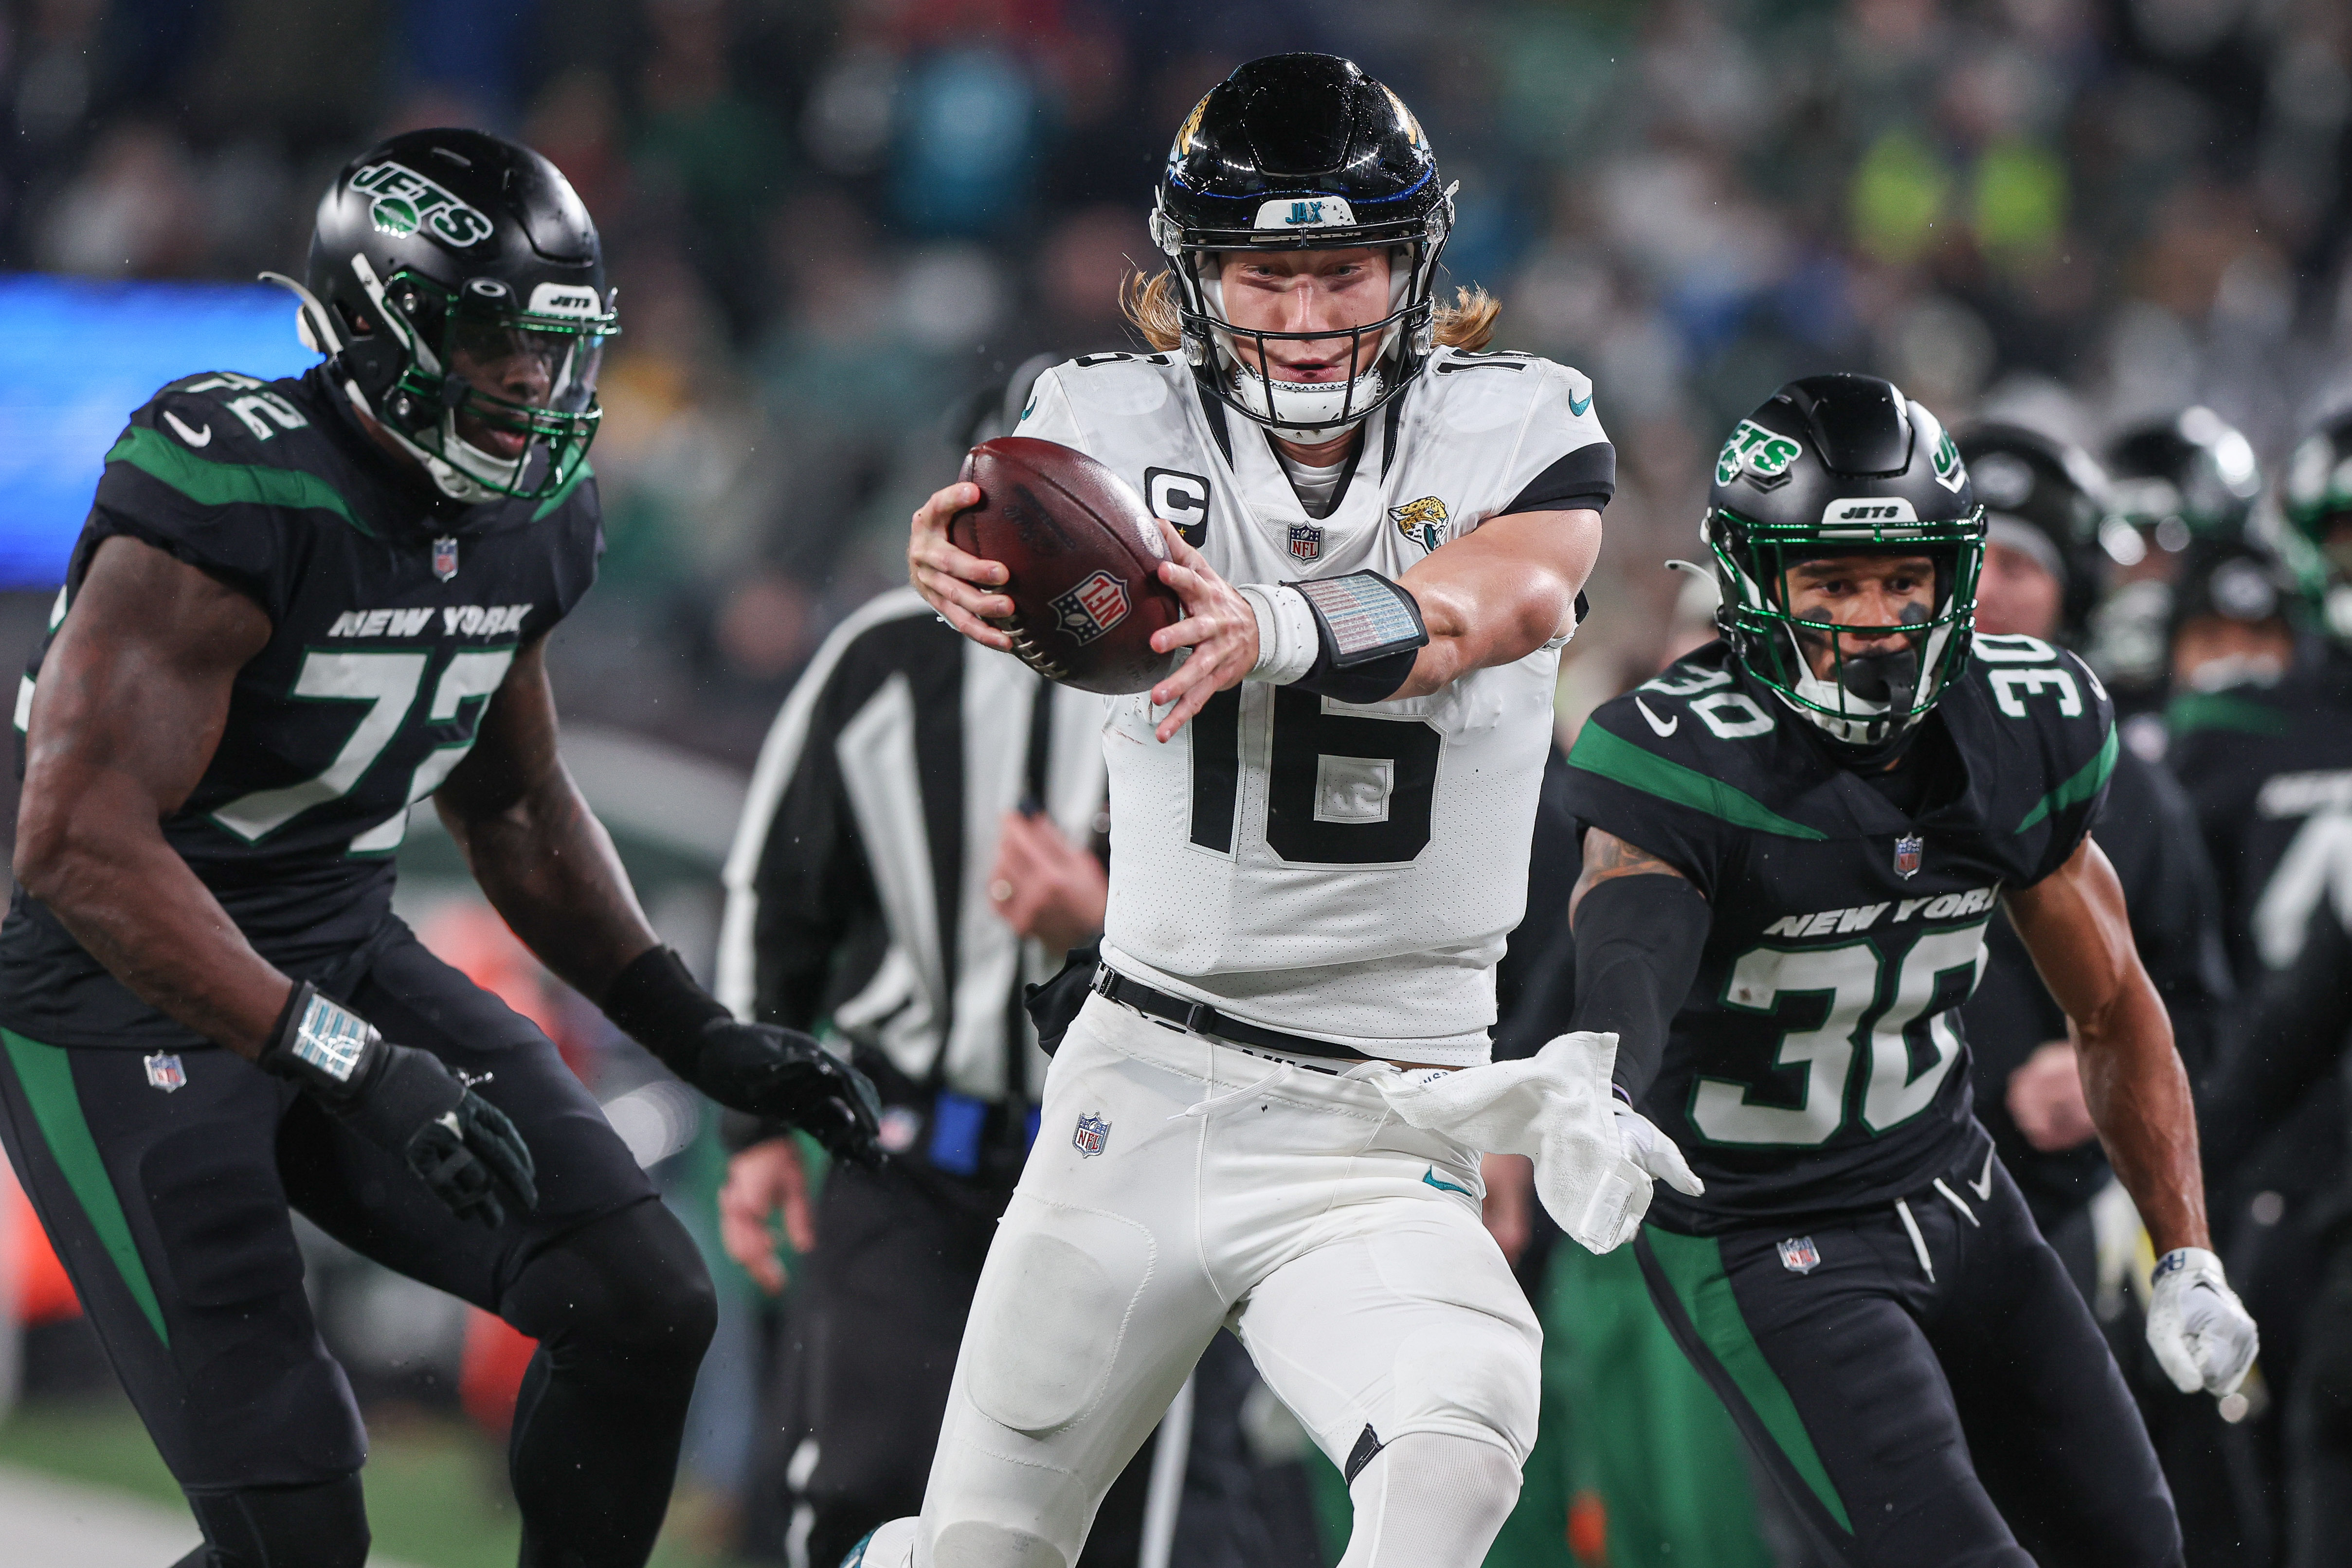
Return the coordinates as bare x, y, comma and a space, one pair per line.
1797, 1255
1908, 850
445, 559
1093, 1133
1092, 608
164, 1071
1306, 541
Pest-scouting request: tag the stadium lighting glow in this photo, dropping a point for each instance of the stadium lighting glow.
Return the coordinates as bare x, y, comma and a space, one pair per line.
76, 358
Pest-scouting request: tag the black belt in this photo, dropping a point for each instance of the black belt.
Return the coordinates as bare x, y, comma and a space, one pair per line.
1202, 1018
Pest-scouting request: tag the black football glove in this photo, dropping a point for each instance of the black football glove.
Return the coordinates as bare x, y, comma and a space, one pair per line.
405, 1100
776, 1073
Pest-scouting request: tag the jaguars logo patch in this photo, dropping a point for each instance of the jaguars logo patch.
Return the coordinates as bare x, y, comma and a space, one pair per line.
1422, 521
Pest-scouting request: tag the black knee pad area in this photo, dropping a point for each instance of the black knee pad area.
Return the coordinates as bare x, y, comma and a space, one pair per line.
322, 1526
629, 1285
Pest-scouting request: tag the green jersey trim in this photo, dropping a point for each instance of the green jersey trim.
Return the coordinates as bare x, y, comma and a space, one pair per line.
46, 1072
2223, 710
229, 483
2089, 782
564, 491
1616, 758
1693, 1266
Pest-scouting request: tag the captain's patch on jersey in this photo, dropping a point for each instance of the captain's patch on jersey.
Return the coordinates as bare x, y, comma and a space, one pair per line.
165, 1073
1093, 1133
1799, 1256
1422, 521
1093, 607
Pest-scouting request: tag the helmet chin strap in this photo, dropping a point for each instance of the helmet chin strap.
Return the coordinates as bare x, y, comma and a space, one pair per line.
1872, 694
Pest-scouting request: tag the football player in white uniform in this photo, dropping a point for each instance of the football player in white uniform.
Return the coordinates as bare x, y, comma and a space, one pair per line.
1320, 824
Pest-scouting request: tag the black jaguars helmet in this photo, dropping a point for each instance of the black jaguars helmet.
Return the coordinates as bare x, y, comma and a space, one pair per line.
2316, 498
440, 252
1302, 152
2045, 498
1833, 466
2191, 476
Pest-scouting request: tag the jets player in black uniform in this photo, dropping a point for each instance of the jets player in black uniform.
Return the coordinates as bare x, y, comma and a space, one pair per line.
296, 607
1795, 837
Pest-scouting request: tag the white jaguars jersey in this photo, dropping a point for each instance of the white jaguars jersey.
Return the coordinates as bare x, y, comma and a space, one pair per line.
1334, 870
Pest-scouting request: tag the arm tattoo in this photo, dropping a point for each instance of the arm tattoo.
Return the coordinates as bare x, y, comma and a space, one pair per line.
1606, 857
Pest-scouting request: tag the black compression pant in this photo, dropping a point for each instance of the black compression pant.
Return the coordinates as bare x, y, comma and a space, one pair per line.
1933, 1395
168, 1197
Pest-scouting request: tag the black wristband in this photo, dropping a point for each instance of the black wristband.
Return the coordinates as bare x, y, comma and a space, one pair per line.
1369, 633
322, 1045
656, 1002
1638, 940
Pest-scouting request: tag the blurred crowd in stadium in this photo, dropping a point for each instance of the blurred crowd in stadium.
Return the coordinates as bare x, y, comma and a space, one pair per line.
838, 226
836, 221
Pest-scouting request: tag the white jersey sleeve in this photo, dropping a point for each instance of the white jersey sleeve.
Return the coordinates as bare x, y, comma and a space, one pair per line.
1345, 872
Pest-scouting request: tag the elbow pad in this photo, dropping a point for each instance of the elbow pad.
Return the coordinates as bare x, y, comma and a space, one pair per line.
1351, 638
1638, 940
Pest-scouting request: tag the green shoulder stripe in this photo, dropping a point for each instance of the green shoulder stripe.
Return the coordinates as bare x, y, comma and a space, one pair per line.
563, 491
46, 1074
1613, 757
2089, 782
2223, 710
228, 484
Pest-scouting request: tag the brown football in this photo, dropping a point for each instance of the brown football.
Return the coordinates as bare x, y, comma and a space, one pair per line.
1085, 560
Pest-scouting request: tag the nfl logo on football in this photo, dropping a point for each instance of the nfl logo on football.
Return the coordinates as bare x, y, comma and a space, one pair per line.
1908, 850
1798, 1255
1093, 1133
1092, 608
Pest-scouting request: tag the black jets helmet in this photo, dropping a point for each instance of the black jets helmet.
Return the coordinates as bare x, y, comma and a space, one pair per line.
2172, 480
1841, 466
2316, 498
1302, 152
2044, 497
443, 251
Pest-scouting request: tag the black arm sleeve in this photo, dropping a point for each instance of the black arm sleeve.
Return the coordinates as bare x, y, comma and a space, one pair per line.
1638, 940
2292, 1042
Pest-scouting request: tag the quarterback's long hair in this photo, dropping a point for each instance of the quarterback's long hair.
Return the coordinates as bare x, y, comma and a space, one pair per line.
1150, 304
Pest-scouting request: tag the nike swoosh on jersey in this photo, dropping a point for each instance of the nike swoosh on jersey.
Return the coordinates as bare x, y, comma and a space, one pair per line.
1430, 1176
1580, 409
1982, 1186
192, 437
1663, 726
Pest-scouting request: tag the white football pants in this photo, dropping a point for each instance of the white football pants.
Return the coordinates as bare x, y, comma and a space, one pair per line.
1344, 1246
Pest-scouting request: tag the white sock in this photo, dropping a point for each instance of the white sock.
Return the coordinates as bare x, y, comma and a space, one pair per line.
1431, 1500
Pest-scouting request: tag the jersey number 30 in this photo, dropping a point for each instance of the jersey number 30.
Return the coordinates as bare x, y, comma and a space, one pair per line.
1933, 979
1341, 789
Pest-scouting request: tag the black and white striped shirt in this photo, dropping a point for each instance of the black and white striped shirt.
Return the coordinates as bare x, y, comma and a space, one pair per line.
857, 888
